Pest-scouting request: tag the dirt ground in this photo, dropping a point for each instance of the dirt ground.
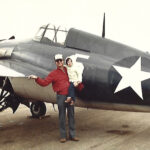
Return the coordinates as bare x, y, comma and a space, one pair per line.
96, 129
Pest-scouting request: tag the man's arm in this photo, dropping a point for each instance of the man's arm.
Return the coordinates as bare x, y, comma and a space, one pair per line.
43, 82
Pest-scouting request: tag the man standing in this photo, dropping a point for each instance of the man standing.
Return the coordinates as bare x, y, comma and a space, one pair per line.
60, 82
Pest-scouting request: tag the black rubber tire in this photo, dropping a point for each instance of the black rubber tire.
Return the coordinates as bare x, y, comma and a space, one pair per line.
38, 109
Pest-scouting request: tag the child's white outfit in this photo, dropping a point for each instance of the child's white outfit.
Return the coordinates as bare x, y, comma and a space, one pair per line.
74, 74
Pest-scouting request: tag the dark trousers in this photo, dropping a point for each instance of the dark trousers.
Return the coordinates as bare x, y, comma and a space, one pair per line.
71, 91
62, 106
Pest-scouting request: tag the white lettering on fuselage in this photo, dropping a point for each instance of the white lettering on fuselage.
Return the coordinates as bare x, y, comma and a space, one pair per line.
82, 56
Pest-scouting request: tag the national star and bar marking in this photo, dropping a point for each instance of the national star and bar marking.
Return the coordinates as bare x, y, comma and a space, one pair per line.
132, 77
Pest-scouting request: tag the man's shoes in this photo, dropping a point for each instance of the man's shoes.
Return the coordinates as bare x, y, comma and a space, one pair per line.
63, 140
74, 139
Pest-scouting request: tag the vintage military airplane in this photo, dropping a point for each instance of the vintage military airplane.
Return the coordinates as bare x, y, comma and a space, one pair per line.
115, 76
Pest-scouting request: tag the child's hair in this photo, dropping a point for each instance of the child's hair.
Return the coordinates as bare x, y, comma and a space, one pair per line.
68, 60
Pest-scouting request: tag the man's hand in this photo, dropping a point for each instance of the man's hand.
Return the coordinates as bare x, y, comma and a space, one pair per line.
32, 77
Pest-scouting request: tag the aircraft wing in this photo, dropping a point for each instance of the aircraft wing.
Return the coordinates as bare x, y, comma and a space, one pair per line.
13, 68
5, 71
17, 72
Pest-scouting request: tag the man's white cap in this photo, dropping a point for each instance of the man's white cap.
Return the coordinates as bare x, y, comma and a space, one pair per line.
58, 56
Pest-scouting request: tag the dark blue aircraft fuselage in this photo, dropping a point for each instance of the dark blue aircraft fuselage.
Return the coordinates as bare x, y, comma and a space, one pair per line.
100, 78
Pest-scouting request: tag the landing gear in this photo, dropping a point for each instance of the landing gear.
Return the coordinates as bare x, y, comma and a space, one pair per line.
38, 109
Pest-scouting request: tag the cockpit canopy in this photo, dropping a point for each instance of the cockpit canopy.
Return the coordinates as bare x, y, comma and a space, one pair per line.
52, 35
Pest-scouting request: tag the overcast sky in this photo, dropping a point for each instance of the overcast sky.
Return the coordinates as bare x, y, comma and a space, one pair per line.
127, 21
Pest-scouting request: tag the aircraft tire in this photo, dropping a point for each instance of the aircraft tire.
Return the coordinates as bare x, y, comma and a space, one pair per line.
38, 109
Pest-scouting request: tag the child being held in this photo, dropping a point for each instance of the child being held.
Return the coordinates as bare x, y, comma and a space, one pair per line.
75, 71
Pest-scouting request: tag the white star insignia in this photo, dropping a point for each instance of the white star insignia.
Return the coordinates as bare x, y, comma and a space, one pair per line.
132, 77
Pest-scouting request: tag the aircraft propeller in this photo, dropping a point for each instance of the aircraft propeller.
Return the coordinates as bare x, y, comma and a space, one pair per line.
11, 38
9, 99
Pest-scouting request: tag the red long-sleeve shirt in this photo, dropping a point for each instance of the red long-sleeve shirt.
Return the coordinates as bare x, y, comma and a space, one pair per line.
59, 80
